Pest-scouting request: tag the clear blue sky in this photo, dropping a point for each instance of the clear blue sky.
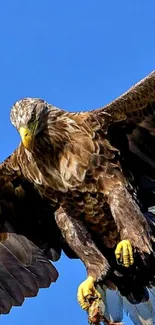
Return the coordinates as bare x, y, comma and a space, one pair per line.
77, 55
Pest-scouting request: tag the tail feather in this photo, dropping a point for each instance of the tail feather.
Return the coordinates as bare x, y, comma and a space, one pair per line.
152, 297
115, 305
140, 314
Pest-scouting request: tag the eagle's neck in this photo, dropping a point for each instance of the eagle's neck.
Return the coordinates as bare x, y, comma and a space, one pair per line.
50, 146
62, 152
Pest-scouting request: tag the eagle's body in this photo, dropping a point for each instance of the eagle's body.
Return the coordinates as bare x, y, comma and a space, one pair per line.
78, 174
96, 171
74, 164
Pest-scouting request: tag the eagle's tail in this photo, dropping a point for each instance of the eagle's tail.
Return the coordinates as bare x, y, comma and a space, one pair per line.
115, 306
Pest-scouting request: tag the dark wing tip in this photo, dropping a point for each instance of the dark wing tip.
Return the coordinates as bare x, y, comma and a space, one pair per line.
24, 269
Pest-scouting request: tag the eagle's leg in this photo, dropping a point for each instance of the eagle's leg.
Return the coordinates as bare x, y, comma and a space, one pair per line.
132, 225
124, 253
79, 239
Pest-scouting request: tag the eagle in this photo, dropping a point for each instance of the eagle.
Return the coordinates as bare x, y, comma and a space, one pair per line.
82, 183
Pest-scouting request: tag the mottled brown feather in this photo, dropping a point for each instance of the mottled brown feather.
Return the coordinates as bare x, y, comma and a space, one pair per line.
29, 238
93, 166
81, 161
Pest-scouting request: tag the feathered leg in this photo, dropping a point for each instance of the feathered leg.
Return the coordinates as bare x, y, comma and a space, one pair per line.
131, 223
79, 239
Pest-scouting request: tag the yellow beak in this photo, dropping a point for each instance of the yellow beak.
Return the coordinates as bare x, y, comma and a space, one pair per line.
27, 137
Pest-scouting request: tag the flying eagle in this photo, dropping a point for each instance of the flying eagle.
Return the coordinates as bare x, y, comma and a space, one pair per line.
83, 183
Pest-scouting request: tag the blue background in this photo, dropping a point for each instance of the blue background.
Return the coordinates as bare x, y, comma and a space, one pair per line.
77, 55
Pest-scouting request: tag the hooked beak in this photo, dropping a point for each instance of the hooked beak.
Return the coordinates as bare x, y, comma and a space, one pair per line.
27, 136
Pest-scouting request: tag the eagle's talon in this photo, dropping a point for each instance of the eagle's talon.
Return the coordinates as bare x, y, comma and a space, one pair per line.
124, 253
87, 292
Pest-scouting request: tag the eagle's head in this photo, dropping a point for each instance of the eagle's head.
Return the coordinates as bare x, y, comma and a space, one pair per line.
29, 116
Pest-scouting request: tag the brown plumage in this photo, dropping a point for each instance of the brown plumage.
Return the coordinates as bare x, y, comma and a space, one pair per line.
29, 238
95, 168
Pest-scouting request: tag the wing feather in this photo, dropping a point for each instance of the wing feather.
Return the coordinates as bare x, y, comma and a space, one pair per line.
29, 238
133, 101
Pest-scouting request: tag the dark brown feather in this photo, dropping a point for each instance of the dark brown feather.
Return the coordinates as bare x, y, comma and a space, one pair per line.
29, 238
88, 164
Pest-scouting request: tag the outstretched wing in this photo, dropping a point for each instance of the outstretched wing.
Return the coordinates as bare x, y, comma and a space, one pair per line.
135, 102
29, 239
129, 125
131, 118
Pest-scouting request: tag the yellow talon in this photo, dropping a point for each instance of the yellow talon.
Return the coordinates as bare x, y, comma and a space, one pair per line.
86, 291
124, 253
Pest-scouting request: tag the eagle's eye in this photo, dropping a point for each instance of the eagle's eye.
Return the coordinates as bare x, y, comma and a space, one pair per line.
33, 116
